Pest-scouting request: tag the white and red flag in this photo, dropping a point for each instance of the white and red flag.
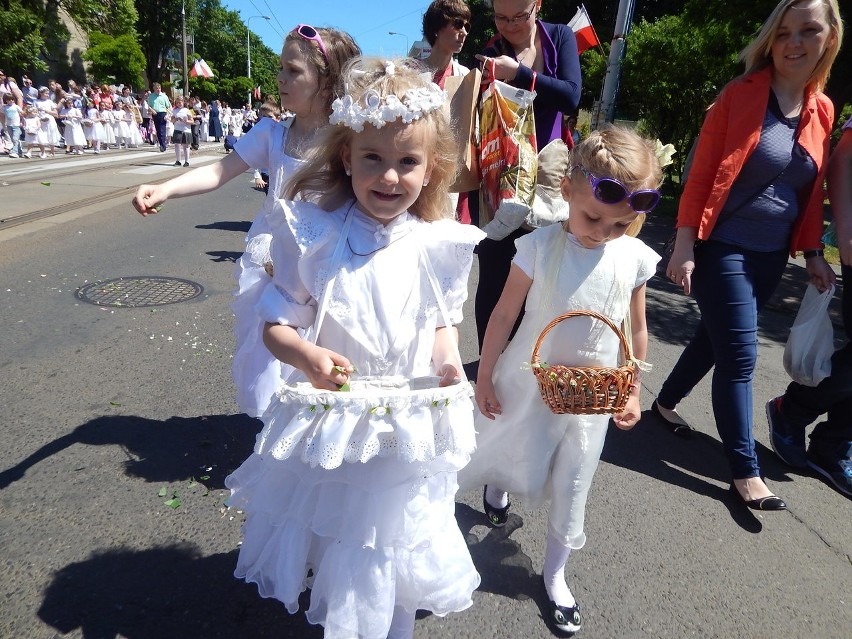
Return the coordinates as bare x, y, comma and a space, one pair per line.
583, 30
200, 69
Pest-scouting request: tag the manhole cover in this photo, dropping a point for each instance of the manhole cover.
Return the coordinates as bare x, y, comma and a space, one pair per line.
136, 291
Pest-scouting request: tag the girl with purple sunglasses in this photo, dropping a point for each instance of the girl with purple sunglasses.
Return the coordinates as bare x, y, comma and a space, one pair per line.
591, 263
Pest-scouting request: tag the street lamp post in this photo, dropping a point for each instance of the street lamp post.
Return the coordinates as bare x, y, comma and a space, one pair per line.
248, 48
407, 49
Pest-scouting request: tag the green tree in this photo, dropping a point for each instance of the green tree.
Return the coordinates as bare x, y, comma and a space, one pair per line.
113, 17
159, 28
115, 59
21, 40
222, 43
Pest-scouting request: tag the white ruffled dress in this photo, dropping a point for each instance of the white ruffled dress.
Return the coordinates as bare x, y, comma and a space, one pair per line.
256, 373
352, 494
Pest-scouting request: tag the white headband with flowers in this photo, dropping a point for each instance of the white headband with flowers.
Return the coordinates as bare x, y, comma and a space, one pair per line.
378, 111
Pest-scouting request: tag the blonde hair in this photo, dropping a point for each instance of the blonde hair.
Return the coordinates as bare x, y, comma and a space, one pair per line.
323, 178
757, 54
622, 154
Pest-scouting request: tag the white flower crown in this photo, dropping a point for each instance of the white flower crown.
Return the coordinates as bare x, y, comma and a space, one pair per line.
378, 110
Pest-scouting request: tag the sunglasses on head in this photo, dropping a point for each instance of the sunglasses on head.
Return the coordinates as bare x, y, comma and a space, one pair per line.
460, 24
307, 32
610, 191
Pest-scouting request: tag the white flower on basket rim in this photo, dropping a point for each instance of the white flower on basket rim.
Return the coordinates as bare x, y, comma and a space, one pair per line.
380, 411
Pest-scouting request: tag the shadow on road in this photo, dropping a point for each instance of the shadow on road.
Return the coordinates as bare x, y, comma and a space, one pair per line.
224, 256
160, 451
241, 226
171, 592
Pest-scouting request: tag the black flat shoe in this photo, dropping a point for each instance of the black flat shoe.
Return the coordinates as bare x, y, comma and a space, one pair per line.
496, 516
680, 429
564, 618
764, 503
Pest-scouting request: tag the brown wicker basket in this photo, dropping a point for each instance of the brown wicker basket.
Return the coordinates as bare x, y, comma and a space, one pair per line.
592, 390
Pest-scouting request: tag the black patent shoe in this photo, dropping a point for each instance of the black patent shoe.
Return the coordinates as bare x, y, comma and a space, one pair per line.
566, 619
677, 426
764, 503
497, 517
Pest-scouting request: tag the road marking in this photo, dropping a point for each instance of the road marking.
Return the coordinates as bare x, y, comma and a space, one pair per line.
37, 165
157, 168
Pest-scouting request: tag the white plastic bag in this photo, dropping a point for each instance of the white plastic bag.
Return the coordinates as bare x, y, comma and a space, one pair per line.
807, 356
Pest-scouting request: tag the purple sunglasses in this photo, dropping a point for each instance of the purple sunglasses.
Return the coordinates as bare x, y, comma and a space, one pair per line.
610, 191
307, 32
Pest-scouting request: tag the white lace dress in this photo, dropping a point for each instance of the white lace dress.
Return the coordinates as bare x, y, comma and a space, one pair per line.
528, 450
360, 490
255, 371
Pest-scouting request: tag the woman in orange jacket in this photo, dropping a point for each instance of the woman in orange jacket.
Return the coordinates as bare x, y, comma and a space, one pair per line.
754, 194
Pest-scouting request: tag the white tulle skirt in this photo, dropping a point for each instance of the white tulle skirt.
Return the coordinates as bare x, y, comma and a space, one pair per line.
353, 496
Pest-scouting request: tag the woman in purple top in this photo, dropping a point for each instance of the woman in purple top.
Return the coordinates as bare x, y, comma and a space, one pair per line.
522, 46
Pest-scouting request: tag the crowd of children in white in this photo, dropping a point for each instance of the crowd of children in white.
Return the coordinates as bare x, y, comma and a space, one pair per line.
43, 121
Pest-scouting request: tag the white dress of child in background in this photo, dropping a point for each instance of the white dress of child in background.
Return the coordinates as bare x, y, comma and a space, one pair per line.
257, 374
74, 134
107, 122
364, 495
122, 133
134, 137
517, 451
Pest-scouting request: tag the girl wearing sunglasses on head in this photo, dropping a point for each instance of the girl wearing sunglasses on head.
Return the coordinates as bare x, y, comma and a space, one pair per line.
754, 196
446, 25
525, 45
588, 263
311, 64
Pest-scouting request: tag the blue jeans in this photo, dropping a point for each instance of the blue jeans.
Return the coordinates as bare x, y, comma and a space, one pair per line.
160, 124
803, 404
14, 133
730, 285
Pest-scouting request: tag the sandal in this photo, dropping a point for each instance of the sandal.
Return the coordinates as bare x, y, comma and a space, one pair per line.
496, 516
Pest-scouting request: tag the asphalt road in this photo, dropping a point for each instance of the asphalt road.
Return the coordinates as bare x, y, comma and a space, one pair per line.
107, 413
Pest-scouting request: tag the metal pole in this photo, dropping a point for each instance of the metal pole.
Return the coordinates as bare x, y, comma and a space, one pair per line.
185, 65
248, 49
407, 48
606, 109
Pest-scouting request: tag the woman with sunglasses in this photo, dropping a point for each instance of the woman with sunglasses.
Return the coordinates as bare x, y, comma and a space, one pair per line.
525, 45
587, 263
754, 195
311, 64
446, 25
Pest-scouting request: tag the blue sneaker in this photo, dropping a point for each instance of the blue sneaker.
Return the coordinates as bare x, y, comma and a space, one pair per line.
788, 443
832, 461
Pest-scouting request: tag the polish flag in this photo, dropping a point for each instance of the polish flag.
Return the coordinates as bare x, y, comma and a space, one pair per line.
583, 30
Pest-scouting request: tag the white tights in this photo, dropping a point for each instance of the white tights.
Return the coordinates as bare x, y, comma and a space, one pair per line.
553, 572
402, 624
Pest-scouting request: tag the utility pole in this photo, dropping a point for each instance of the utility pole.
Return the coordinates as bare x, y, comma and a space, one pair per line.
605, 111
185, 65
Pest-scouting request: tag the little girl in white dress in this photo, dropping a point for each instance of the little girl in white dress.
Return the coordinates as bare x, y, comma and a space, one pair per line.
350, 491
588, 263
